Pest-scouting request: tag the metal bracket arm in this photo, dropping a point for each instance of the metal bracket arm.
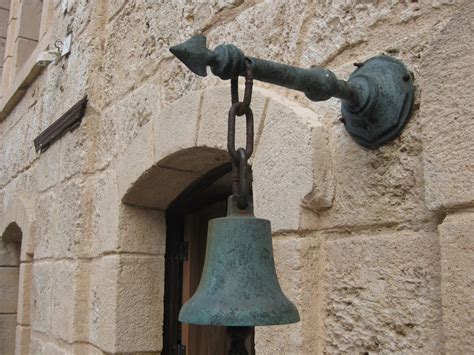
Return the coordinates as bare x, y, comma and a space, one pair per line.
377, 99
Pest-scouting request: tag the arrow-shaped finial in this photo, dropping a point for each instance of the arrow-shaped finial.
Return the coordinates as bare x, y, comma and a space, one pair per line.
194, 54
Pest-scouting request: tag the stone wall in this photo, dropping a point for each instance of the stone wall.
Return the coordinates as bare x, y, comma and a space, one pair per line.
374, 247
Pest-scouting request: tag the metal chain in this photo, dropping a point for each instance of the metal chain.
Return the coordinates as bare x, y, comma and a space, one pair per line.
240, 167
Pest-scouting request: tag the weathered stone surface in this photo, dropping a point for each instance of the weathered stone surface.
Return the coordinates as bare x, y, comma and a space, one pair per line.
76, 150
456, 238
138, 157
447, 112
126, 303
142, 230
41, 296
120, 228
277, 38
177, 126
383, 293
363, 281
46, 222
22, 340
46, 173
379, 187
70, 236
162, 183
139, 312
7, 333
213, 118
300, 268
8, 289
24, 293
102, 302
284, 155
121, 122
63, 299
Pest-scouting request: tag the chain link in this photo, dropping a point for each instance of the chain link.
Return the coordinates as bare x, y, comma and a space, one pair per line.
240, 167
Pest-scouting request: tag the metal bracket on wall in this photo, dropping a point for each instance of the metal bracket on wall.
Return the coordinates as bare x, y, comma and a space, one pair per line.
377, 100
67, 122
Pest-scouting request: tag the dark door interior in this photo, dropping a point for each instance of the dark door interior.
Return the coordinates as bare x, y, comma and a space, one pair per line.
187, 220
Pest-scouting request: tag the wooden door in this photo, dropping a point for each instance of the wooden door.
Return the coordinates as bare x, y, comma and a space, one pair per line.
198, 339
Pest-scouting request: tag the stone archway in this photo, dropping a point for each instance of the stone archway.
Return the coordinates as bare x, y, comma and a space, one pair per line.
172, 150
17, 237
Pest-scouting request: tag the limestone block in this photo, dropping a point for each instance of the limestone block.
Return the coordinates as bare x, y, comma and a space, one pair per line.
77, 149
447, 112
140, 292
8, 289
372, 187
45, 172
105, 219
23, 50
177, 125
5, 4
285, 157
276, 38
37, 345
126, 119
46, 17
126, 303
46, 224
128, 37
7, 69
7, 333
117, 227
22, 340
71, 237
337, 31
41, 296
24, 293
142, 230
30, 19
300, 268
137, 159
53, 349
3, 23
64, 298
383, 293
457, 263
86, 349
103, 302
70, 300
132, 33
16, 151
214, 117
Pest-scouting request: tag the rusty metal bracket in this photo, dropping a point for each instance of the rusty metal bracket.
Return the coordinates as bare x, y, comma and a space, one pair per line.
377, 100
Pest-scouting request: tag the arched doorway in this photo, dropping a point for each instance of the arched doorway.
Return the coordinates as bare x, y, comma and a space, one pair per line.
186, 141
10, 248
187, 219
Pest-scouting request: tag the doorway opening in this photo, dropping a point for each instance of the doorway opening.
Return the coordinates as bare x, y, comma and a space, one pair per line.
10, 248
187, 219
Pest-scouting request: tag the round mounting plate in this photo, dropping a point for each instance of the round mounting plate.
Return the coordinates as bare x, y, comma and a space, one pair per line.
386, 87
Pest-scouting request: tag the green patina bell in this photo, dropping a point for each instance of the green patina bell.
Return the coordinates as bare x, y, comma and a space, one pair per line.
239, 285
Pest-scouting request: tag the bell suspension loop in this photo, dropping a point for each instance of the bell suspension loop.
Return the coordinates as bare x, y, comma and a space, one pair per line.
240, 167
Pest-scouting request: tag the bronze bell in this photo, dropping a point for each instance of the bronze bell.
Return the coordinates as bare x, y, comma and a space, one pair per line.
239, 285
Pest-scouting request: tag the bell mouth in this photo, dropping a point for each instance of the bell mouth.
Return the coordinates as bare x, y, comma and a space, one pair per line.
205, 312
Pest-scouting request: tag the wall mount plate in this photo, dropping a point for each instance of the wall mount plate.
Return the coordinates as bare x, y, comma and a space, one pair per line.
387, 88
